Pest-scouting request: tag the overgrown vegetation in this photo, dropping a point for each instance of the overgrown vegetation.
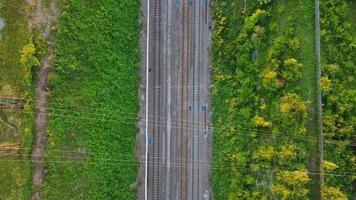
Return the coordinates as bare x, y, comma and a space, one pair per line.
16, 60
264, 99
339, 95
93, 100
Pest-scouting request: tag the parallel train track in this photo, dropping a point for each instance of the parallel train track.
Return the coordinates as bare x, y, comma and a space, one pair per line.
169, 95
196, 100
184, 124
156, 129
189, 125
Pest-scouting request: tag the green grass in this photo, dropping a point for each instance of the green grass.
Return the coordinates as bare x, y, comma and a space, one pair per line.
94, 102
306, 30
15, 175
352, 17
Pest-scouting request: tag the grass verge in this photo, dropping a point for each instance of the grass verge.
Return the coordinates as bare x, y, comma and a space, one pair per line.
93, 99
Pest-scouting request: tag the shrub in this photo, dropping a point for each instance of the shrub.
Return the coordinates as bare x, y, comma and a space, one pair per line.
260, 122
291, 184
333, 193
28, 58
292, 105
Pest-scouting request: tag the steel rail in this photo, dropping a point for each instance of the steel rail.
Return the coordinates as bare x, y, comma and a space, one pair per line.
184, 138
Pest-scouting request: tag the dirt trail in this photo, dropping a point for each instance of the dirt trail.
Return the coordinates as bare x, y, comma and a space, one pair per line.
43, 18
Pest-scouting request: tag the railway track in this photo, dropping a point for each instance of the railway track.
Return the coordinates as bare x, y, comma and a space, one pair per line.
184, 124
156, 129
196, 100
169, 96
177, 129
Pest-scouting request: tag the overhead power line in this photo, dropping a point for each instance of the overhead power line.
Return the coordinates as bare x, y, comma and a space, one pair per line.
242, 130
123, 162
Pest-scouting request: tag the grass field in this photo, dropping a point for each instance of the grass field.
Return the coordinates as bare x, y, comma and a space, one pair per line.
93, 99
15, 127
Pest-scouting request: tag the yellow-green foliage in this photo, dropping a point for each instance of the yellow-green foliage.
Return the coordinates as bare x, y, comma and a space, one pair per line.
333, 193
329, 165
292, 105
292, 71
325, 84
264, 153
291, 184
260, 122
28, 58
251, 21
269, 78
293, 178
218, 29
246, 195
232, 104
287, 152
29, 61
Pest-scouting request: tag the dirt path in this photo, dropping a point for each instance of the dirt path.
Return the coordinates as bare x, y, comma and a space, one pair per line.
42, 18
